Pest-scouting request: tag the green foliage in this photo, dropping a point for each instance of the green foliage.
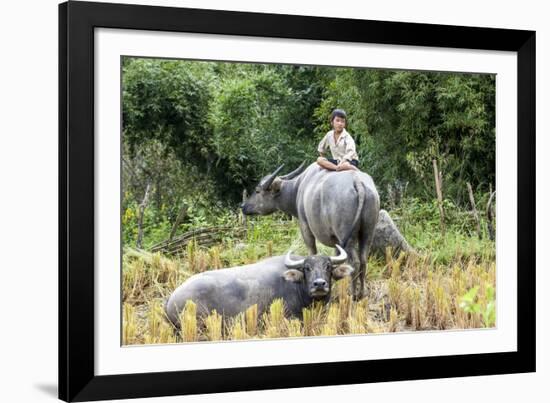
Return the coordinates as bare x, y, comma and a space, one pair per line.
197, 133
419, 223
254, 118
403, 120
425, 215
483, 306
167, 100
243, 118
232, 122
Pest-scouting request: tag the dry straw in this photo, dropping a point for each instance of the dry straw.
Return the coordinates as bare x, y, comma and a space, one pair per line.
331, 327
129, 325
188, 322
213, 325
274, 319
404, 293
251, 319
238, 328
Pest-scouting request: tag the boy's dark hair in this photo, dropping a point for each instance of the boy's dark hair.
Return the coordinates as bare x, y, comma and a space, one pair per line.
338, 113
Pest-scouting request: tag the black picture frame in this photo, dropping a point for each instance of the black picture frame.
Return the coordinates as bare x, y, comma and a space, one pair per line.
77, 21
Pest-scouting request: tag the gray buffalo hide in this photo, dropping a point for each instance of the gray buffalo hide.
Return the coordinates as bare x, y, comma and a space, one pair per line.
386, 235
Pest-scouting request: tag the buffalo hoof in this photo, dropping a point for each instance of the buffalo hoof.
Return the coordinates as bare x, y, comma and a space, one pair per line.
358, 295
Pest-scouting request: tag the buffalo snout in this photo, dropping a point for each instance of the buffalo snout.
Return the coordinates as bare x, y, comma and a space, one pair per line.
319, 288
320, 283
247, 209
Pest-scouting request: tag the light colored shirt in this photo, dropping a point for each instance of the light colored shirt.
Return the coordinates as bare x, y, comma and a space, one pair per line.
344, 149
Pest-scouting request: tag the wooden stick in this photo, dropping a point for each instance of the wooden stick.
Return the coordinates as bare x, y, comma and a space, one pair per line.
142, 206
474, 209
181, 215
490, 217
438, 183
245, 197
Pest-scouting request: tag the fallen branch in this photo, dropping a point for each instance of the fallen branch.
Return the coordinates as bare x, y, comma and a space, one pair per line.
491, 217
438, 186
181, 215
141, 213
474, 209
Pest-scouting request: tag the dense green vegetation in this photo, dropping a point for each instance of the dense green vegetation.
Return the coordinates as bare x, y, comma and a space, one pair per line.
197, 134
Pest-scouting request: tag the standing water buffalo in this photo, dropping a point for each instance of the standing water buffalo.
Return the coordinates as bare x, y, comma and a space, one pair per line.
297, 280
333, 207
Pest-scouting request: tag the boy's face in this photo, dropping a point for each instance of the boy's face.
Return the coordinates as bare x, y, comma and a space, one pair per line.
338, 124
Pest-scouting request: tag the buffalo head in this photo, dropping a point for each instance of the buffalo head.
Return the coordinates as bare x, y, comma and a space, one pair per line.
264, 198
317, 272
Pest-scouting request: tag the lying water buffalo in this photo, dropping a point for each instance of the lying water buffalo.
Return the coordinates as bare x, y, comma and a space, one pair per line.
297, 280
333, 207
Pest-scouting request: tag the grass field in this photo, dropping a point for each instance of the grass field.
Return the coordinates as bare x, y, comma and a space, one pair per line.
449, 284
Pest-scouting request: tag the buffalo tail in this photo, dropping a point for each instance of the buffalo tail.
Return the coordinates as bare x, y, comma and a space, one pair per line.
361, 194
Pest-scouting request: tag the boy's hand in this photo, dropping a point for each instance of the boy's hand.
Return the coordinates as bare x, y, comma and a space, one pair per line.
345, 166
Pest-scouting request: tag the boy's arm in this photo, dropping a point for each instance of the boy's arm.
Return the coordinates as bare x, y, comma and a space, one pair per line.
351, 153
322, 146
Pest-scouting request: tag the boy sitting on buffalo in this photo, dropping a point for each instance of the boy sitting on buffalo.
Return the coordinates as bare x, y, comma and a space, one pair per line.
340, 143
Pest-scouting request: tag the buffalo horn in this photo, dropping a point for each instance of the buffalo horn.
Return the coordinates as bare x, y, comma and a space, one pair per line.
341, 258
271, 177
294, 173
293, 264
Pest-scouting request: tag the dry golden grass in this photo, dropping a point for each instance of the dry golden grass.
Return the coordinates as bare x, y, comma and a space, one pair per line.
273, 321
332, 321
129, 325
295, 328
215, 258
251, 320
213, 326
410, 293
188, 320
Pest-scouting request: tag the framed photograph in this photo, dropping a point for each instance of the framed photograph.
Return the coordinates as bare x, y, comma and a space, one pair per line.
257, 201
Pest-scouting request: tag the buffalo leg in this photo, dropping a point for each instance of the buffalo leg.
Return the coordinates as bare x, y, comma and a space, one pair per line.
353, 260
363, 263
366, 237
308, 237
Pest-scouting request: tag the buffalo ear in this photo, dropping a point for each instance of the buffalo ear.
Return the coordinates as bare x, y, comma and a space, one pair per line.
293, 275
342, 271
276, 185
